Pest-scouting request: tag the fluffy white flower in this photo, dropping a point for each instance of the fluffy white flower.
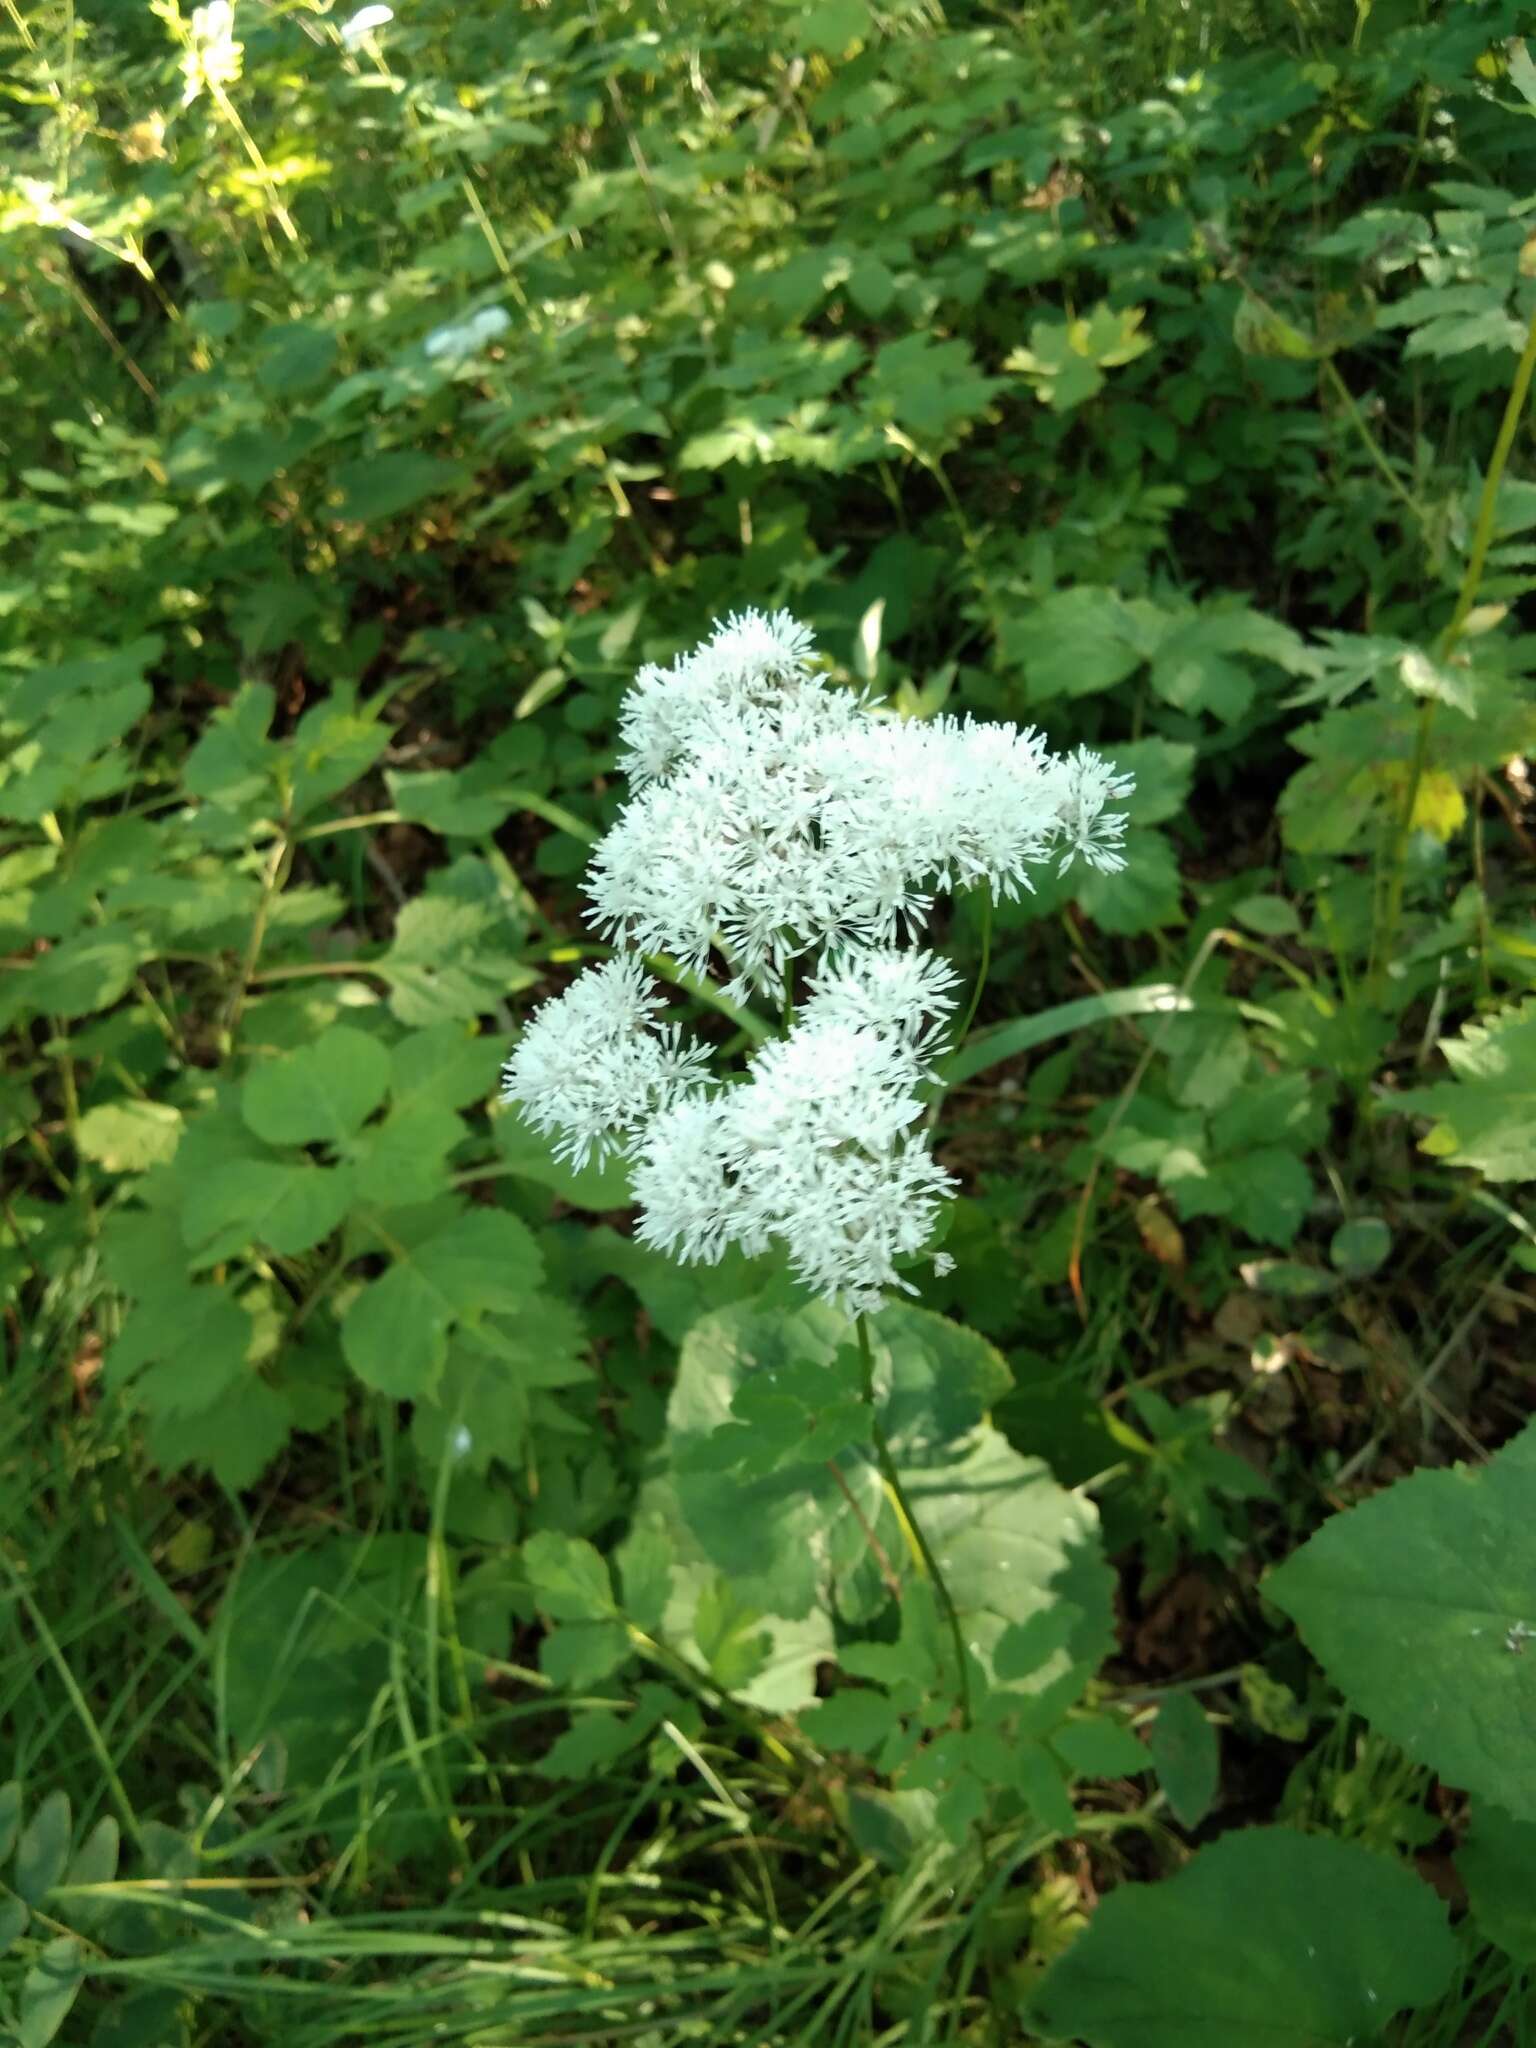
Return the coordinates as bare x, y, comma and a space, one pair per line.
815, 1151
593, 1066
363, 24
905, 996
774, 816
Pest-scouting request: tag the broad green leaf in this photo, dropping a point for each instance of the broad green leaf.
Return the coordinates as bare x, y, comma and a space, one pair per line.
48, 1991
87, 972
442, 967
234, 763
1497, 1864
95, 1861
1184, 1749
183, 1346
1295, 1941
680, 1580
395, 1334
1010, 1541
569, 1578
1485, 1116
466, 803
1145, 895
1271, 916
1360, 1246
324, 1091
1419, 1604
1099, 1746
128, 1137
379, 486
43, 1850
287, 1205
1271, 1193
1074, 643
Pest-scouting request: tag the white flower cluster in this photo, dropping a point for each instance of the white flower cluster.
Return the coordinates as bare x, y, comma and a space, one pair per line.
212, 56
776, 819
454, 345
774, 816
818, 1148
593, 1065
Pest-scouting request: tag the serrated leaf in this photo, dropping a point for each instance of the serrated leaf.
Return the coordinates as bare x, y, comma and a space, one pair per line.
43, 1850
1486, 1115
1415, 1603
321, 1092
1007, 1538
1295, 1940
569, 1577
1184, 1748
395, 1334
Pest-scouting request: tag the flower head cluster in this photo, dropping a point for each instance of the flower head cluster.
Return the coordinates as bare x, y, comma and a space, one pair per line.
817, 1150
773, 816
779, 822
212, 57
594, 1065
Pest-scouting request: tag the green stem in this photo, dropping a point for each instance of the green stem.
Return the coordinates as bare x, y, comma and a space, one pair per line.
914, 1529
981, 973
1471, 583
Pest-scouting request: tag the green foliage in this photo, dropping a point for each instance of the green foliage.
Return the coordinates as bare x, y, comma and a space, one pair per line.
1320, 1942
1415, 1602
380, 1521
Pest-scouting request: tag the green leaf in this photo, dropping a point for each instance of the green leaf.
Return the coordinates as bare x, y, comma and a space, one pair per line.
1144, 896
395, 1334
1074, 643
1496, 1863
14, 1920
43, 1851
48, 1991
1023, 1034
1419, 1604
1298, 1941
1099, 1746
1184, 1748
380, 486
569, 1578
1485, 1116
324, 1091
87, 972
287, 1205
1271, 916
1271, 1193
440, 966
1009, 1540
234, 763
1361, 1246
856, 1718
129, 1137
466, 803
10, 1817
